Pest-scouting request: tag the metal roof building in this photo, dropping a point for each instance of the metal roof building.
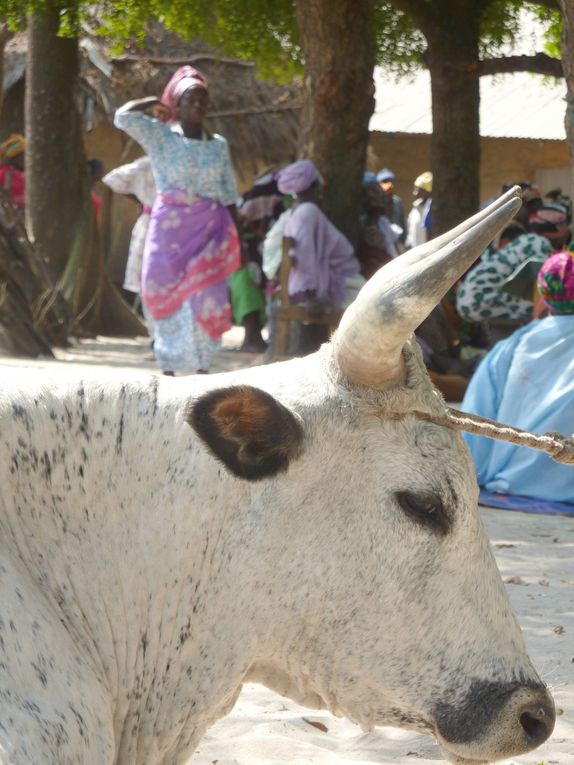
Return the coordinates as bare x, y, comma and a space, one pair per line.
517, 105
521, 126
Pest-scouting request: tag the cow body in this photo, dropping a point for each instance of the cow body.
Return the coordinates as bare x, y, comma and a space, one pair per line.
165, 540
142, 584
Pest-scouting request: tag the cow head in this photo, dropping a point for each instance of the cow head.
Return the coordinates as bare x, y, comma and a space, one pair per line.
382, 597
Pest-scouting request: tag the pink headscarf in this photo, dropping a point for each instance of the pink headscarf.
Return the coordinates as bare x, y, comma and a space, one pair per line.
556, 282
183, 79
296, 178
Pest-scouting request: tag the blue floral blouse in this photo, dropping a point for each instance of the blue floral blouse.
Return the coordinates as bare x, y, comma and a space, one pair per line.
201, 167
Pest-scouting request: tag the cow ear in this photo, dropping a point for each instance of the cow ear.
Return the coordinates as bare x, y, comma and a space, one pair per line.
247, 429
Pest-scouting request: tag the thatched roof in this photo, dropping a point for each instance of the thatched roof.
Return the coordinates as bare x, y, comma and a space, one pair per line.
259, 119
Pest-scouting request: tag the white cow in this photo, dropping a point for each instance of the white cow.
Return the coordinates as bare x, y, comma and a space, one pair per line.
163, 542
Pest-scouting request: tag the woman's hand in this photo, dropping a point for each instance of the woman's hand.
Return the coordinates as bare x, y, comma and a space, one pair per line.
161, 112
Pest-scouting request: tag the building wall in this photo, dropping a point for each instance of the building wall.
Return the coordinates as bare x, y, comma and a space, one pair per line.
504, 160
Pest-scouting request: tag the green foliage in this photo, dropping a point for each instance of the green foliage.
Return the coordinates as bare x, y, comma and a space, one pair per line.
265, 31
553, 34
400, 45
499, 25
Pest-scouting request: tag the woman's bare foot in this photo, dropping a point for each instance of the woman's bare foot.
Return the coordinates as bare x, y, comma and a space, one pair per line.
254, 346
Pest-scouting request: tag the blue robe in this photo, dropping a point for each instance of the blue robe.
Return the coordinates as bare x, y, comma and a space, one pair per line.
526, 381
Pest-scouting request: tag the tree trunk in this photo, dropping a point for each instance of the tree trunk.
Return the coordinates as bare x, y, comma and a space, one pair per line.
56, 167
5, 37
337, 37
60, 216
453, 58
568, 67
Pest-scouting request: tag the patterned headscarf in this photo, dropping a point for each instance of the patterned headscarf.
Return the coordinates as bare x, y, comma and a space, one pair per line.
12, 146
556, 282
297, 177
183, 79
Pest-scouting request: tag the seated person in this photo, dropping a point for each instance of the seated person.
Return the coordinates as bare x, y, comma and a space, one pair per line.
527, 381
324, 270
12, 164
481, 296
322, 258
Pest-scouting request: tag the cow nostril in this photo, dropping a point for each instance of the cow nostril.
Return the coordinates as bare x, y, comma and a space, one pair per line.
537, 723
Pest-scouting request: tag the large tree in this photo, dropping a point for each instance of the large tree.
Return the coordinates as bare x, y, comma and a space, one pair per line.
335, 44
338, 42
330, 43
567, 50
456, 40
60, 217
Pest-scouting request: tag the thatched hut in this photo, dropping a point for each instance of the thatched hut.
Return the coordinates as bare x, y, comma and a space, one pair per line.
259, 119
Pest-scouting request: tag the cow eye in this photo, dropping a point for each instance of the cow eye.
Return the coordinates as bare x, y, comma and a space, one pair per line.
426, 510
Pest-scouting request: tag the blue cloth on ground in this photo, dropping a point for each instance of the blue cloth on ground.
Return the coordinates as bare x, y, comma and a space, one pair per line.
527, 381
525, 504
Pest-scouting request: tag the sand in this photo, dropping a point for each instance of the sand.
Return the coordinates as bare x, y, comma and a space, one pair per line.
535, 555
265, 728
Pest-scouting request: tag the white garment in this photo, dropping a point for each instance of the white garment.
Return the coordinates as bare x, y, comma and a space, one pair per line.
416, 231
392, 233
135, 178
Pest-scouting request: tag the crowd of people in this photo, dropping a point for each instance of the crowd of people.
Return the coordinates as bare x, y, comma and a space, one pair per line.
201, 258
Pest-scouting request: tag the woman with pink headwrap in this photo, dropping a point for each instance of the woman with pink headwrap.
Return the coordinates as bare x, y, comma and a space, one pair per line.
324, 270
192, 246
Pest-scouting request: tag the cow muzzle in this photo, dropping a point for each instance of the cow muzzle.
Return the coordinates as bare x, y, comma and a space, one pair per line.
496, 721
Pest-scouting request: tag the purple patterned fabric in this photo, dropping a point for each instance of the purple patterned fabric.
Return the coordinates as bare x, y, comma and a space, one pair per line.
190, 251
323, 256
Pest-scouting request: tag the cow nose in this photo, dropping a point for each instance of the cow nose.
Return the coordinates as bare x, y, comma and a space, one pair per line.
537, 721
496, 721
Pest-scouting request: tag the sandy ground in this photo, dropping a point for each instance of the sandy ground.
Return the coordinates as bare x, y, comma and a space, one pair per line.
536, 558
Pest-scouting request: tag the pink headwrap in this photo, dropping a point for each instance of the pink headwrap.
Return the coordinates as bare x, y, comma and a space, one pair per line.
556, 282
298, 177
183, 79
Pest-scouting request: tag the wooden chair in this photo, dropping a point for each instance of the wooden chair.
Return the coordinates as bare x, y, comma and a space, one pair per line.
288, 312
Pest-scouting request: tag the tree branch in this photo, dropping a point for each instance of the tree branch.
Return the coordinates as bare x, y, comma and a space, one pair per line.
540, 63
182, 60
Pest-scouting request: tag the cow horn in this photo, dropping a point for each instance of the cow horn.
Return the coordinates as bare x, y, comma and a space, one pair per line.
368, 344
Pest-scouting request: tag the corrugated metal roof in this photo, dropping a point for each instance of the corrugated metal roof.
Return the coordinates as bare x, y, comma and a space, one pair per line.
517, 105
